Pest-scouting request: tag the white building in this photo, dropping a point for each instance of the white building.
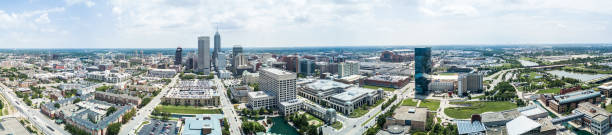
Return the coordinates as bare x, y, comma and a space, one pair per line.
162, 73
441, 86
249, 78
469, 82
348, 68
260, 99
224, 74
354, 97
282, 84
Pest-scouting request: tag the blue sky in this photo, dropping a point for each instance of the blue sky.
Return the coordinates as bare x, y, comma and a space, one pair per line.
282, 23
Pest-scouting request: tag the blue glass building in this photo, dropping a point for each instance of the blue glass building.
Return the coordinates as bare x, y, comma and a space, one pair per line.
422, 69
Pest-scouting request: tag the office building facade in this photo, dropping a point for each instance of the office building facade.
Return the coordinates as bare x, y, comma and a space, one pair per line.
422, 69
178, 56
470, 82
204, 54
217, 48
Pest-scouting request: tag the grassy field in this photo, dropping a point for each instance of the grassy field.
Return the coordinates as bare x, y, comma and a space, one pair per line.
551, 90
409, 102
186, 109
361, 111
313, 118
432, 104
477, 107
376, 88
337, 125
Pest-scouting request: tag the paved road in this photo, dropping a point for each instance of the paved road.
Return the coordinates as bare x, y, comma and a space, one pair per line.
144, 112
228, 109
352, 126
33, 115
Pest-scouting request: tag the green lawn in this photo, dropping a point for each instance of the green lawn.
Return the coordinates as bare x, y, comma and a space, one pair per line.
432, 104
186, 109
551, 90
360, 111
376, 88
311, 118
337, 125
609, 108
477, 107
409, 102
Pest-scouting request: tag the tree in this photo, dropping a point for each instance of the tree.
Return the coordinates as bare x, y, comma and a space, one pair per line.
76, 100
113, 129
56, 105
111, 110
603, 105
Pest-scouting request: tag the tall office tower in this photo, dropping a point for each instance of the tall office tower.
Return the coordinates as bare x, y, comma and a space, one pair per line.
217, 47
282, 84
178, 56
422, 69
237, 49
221, 61
204, 54
469, 82
348, 68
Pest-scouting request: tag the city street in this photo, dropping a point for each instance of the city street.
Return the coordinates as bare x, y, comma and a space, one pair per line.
228, 109
34, 116
352, 126
144, 112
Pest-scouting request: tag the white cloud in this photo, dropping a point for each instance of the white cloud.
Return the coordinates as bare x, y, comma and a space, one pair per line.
43, 19
87, 3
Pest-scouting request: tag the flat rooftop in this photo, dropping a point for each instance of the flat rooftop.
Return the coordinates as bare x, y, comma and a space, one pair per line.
277, 71
351, 93
410, 113
325, 85
577, 96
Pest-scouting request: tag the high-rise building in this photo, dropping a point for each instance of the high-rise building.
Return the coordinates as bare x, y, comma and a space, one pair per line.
469, 82
281, 84
422, 69
307, 67
217, 48
204, 54
178, 56
237, 49
348, 68
221, 61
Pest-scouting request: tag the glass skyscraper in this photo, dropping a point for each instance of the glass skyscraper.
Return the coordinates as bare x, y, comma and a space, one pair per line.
422, 69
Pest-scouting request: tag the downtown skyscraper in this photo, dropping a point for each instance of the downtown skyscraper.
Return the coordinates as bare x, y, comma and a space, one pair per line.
204, 54
217, 48
422, 69
178, 56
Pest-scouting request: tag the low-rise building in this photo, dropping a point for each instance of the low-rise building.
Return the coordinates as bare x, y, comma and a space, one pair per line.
347, 101
224, 74
240, 93
196, 93
471, 127
567, 102
261, 99
117, 98
386, 81
320, 90
162, 73
414, 117
203, 124
595, 118
249, 78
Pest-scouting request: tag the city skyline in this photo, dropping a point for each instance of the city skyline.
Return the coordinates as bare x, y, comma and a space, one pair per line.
168, 24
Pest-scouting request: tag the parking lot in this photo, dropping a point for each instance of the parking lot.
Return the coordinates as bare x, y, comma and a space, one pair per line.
158, 127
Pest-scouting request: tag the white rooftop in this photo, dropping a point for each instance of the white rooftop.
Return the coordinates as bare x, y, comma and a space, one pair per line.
521, 125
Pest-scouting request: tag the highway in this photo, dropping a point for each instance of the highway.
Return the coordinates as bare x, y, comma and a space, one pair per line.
144, 112
34, 116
